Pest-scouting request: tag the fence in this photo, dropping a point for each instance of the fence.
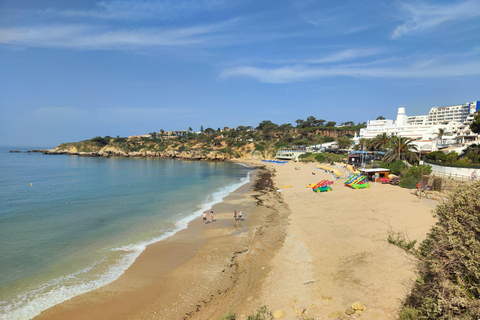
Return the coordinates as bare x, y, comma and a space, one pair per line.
458, 173
443, 182
455, 176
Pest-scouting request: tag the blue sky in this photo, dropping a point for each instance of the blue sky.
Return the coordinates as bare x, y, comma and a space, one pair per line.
72, 70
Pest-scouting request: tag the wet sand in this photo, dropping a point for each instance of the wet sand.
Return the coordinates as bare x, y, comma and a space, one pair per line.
296, 251
197, 273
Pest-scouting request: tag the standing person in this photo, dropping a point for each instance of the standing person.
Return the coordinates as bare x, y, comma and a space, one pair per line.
211, 216
474, 175
204, 217
235, 215
240, 214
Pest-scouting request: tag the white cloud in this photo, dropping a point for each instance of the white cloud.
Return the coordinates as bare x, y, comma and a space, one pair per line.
142, 10
422, 17
301, 73
349, 54
339, 56
91, 38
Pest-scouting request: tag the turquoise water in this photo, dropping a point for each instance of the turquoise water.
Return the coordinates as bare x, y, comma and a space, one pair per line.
71, 224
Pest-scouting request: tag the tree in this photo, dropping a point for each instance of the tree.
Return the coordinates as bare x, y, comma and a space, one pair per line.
190, 129
330, 124
265, 124
285, 127
313, 122
347, 123
201, 128
475, 126
162, 131
268, 128
310, 122
381, 141
343, 142
402, 149
380, 118
209, 130
300, 123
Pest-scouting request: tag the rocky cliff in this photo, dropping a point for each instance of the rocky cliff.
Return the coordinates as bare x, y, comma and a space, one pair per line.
111, 151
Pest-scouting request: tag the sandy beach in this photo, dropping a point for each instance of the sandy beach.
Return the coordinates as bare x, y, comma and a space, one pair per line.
301, 252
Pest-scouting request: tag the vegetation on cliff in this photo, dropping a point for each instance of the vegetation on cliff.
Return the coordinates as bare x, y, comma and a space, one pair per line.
264, 140
448, 284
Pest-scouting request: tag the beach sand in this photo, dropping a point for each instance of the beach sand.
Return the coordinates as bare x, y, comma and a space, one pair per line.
200, 271
296, 251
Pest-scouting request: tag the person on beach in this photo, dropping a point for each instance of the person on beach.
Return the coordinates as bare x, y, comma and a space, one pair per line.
235, 215
474, 175
204, 217
240, 214
211, 216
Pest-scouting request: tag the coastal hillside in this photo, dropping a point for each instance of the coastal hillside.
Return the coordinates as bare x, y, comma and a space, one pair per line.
209, 144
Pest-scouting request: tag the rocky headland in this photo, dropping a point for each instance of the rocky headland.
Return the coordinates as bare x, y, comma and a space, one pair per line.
109, 151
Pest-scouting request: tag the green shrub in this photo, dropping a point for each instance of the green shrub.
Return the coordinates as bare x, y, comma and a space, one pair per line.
395, 167
408, 313
305, 155
182, 148
408, 182
320, 157
451, 157
437, 156
416, 171
400, 240
229, 316
100, 141
448, 284
333, 157
262, 314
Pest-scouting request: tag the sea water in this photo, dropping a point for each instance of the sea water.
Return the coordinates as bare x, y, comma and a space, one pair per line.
71, 224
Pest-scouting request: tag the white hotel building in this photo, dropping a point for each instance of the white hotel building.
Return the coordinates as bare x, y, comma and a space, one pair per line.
454, 120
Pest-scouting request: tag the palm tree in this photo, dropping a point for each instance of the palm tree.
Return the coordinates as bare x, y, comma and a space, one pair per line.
440, 133
343, 142
381, 141
402, 149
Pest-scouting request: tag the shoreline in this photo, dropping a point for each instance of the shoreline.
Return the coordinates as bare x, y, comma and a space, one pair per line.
300, 253
30, 304
142, 280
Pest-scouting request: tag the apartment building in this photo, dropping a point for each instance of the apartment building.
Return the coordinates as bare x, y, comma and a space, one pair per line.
453, 120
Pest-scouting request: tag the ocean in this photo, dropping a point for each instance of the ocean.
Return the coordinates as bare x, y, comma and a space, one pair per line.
72, 224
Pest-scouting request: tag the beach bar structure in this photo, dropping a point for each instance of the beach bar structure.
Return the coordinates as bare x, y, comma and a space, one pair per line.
371, 173
290, 154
